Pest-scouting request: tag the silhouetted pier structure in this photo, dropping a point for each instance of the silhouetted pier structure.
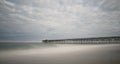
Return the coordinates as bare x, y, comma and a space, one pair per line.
95, 40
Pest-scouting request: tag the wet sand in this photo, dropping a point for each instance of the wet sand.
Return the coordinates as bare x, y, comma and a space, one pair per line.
64, 54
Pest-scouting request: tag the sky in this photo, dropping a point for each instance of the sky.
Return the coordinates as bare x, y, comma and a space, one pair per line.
35, 20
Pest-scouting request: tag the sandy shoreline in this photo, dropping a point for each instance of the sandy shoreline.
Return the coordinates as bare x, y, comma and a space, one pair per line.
64, 54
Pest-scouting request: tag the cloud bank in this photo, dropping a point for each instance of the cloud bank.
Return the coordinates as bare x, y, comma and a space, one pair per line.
52, 19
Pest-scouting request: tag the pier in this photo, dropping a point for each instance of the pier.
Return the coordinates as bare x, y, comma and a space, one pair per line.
95, 40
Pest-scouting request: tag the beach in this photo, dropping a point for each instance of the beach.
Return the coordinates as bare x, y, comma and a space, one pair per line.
64, 54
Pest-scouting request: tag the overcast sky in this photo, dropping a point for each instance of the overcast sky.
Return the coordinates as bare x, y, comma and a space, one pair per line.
34, 20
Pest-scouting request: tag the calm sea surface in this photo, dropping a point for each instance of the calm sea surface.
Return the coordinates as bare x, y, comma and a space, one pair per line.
15, 46
29, 53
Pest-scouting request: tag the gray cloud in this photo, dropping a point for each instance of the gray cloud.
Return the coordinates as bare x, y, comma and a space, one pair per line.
49, 19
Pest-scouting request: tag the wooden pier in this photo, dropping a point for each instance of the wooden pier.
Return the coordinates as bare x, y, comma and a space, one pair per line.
95, 40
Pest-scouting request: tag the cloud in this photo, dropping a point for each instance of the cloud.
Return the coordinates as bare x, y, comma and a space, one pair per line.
45, 19
111, 5
8, 3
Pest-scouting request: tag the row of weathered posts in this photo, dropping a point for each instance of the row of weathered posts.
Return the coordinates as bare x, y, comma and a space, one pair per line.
100, 40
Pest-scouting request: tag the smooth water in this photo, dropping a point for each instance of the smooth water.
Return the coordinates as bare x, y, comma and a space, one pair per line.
13, 46
40, 53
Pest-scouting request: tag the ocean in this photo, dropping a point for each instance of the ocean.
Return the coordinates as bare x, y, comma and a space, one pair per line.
40, 53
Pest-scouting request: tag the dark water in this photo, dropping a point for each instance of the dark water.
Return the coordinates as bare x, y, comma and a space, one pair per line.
24, 53
14, 46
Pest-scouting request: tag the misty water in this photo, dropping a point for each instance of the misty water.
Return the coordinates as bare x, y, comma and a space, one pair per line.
29, 53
